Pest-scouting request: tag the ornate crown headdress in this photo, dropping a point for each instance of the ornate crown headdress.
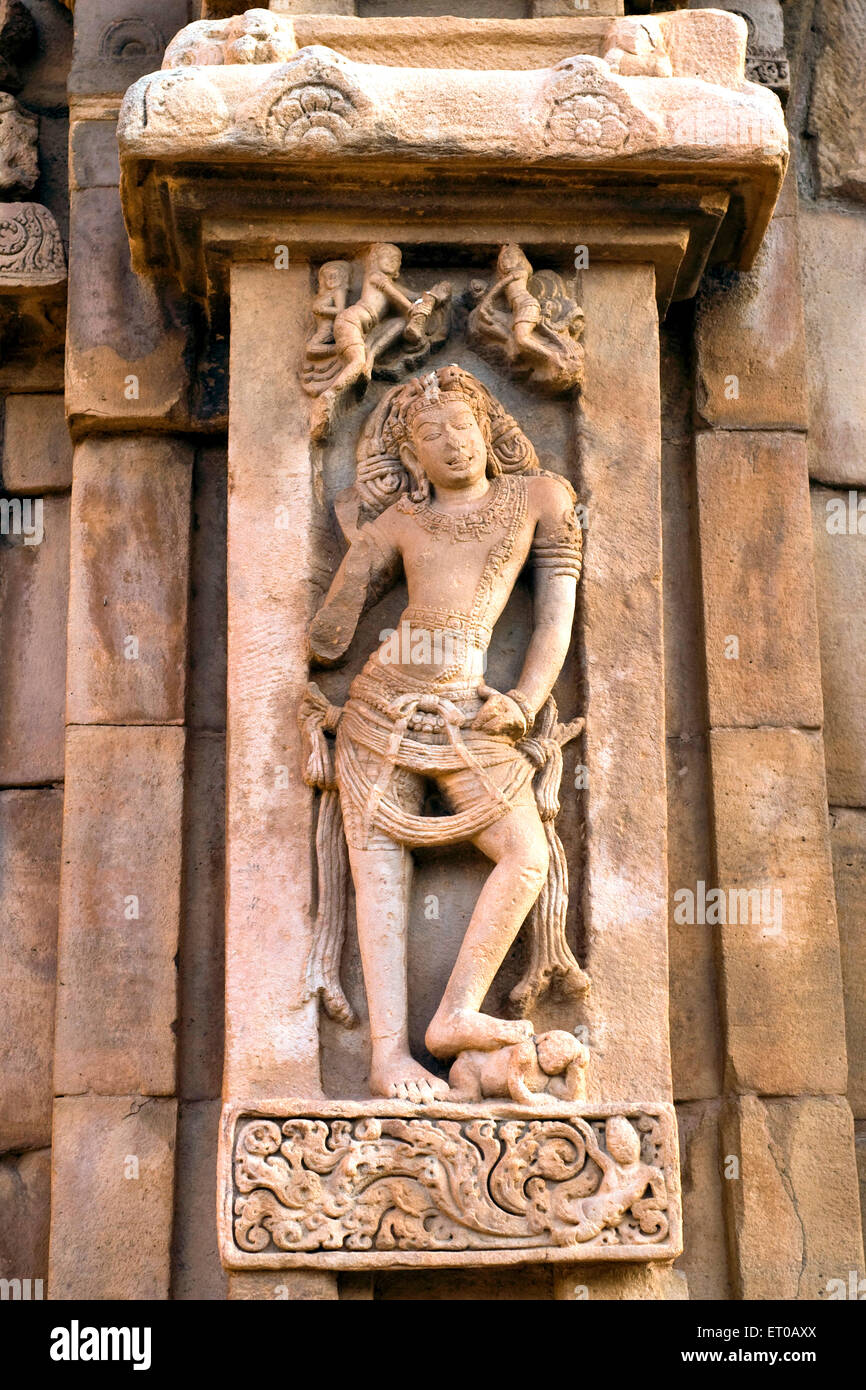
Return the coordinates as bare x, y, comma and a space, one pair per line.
381, 476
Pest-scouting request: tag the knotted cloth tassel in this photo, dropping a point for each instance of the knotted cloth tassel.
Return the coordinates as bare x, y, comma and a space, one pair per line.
551, 960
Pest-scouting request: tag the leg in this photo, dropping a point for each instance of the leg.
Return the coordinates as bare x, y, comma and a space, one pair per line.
382, 875
518, 847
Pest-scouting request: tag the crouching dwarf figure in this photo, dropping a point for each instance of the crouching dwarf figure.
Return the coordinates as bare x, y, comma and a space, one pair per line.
452, 497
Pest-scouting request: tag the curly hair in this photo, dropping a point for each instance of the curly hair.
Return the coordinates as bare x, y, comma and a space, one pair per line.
382, 476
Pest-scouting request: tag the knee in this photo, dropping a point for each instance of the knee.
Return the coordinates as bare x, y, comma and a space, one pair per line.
533, 864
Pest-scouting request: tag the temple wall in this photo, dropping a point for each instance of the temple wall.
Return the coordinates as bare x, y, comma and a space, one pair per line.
113, 710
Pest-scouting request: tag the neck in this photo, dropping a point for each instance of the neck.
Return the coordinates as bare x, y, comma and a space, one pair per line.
453, 499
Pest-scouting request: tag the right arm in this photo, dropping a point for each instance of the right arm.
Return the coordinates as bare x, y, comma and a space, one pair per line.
367, 571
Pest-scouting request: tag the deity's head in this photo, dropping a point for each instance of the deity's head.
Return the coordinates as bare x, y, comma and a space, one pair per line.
622, 1140
334, 275
444, 428
512, 259
384, 257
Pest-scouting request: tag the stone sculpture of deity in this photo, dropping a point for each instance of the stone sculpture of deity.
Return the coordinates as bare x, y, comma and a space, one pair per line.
450, 496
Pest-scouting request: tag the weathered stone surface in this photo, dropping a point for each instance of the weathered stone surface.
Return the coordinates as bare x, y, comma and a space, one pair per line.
202, 943
25, 1211
30, 823
750, 350
794, 1208
271, 1027
781, 974
19, 158
641, 1283
118, 40
694, 1013
206, 681
860, 1152
37, 449
626, 891
765, 45
840, 584
284, 1285
833, 266
34, 580
836, 118
18, 40
760, 623
125, 351
113, 1178
120, 910
129, 581
704, 1260
848, 843
93, 152
196, 1269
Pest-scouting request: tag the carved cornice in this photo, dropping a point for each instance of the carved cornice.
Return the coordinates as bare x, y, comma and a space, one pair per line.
579, 151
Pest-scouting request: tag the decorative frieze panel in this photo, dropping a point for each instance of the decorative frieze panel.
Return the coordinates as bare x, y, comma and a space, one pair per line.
367, 1184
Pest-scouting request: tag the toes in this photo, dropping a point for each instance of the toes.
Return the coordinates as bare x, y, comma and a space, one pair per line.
425, 1092
413, 1091
401, 1090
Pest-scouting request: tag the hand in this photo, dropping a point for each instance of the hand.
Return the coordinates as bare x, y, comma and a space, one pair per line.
499, 715
324, 640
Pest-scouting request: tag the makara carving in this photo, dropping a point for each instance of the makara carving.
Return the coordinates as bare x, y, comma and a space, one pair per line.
449, 494
462, 1181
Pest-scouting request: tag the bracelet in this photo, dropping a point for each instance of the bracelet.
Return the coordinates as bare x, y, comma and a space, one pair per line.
522, 703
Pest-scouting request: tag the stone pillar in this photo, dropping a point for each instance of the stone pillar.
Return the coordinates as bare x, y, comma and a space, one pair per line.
272, 1043
625, 887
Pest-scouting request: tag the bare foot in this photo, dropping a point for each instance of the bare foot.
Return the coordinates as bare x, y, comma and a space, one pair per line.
465, 1030
399, 1077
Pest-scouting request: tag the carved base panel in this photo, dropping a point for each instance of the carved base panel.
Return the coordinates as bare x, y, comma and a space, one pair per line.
387, 1184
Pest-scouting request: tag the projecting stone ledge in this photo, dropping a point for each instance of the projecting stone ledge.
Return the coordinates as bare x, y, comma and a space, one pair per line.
238, 143
367, 1184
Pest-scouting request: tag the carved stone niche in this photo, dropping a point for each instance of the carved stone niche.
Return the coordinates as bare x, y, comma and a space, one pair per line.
444, 286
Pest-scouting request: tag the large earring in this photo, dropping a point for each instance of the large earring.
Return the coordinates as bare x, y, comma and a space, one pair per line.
419, 483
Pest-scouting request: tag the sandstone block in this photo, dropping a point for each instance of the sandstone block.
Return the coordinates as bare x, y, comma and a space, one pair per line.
848, 842
34, 581
93, 153
118, 40
202, 946
750, 343
196, 1269
37, 449
833, 265
794, 1208
836, 117
285, 1285
112, 1197
633, 1282
779, 942
704, 1260
129, 581
840, 584
127, 337
30, 824
120, 910
760, 623
25, 1211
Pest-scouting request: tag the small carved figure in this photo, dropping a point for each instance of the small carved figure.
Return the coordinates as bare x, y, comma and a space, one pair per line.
328, 303
624, 1181
551, 1067
635, 47
383, 313
534, 330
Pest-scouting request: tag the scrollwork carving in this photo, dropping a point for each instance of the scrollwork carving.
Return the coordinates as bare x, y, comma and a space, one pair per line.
460, 1180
